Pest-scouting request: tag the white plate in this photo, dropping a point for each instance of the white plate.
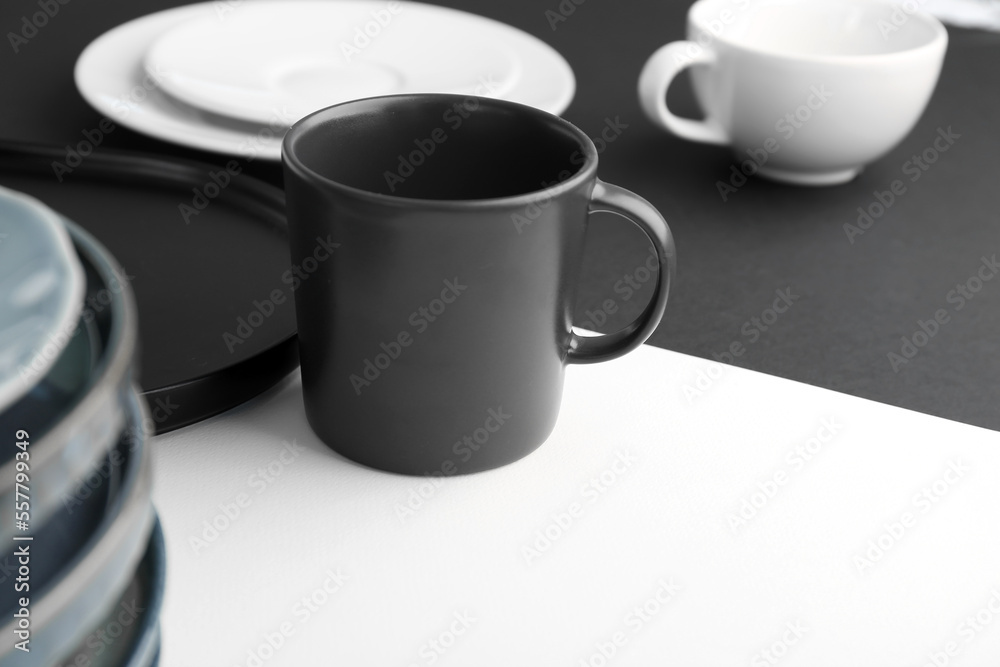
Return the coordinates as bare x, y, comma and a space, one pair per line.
304, 55
111, 77
41, 293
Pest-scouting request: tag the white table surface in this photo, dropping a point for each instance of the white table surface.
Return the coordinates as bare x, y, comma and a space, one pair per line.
649, 567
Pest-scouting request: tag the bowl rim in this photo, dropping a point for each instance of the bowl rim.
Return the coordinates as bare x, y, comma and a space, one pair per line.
97, 410
106, 562
48, 223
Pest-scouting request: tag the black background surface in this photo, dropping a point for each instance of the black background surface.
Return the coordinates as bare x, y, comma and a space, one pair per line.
855, 301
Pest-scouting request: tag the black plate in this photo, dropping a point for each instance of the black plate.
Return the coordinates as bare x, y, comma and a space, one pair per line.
201, 257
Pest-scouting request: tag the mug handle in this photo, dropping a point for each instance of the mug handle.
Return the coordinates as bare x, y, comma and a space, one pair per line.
613, 199
661, 68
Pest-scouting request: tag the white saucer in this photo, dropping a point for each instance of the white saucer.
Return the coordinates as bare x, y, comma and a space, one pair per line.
41, 293
111, 76
304, 55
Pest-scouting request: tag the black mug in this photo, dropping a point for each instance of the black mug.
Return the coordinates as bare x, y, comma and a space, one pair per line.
441, 238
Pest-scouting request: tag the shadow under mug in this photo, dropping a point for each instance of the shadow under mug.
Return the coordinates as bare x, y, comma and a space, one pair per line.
438, 239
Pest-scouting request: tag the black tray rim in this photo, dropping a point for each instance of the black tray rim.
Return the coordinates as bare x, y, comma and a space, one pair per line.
232, 384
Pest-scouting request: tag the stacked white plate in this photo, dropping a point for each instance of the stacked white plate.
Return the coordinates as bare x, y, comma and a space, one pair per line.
231, 77
78, 529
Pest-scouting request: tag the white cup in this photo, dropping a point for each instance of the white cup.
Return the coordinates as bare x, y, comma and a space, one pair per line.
809, 91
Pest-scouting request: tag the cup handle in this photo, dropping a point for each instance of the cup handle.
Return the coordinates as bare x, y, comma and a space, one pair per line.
661, 68
611, 198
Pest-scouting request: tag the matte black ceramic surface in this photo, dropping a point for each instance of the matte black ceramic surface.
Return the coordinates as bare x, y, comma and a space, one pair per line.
444, 236
205, 252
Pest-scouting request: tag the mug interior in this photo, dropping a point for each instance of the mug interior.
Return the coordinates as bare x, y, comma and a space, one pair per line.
438, 147
817, 27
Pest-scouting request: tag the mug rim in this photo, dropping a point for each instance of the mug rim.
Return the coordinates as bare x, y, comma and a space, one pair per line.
301, 128
938, 41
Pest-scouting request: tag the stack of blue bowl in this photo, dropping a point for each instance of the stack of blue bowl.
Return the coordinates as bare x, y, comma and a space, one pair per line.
82, 558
